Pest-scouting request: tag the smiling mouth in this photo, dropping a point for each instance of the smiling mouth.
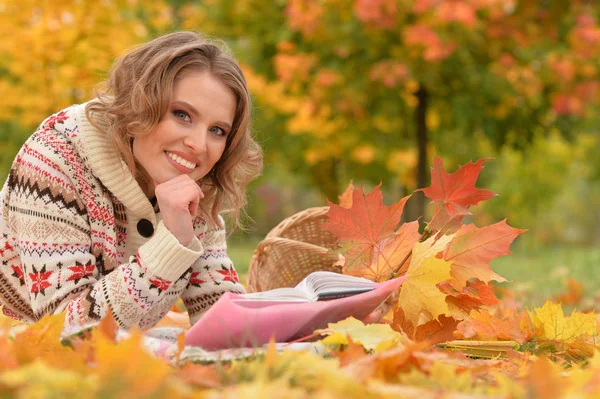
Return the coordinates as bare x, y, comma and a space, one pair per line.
180, 161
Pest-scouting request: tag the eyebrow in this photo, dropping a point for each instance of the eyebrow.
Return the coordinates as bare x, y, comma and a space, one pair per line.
196, 113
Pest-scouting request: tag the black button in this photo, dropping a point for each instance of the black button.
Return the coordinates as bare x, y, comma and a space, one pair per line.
145, 228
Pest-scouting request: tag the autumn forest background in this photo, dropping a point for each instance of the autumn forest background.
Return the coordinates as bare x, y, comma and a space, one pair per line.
367, 91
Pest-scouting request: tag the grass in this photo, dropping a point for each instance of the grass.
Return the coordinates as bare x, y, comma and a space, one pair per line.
539, 273
534, 273
240, 252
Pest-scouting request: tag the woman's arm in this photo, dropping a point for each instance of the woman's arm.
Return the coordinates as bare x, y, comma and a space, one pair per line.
212, 274
58, 268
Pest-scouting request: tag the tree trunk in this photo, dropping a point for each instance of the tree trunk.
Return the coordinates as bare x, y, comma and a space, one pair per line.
422, 140
325, 177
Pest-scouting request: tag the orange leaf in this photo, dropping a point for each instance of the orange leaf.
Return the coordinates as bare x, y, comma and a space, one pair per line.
473, 248
388, 364
351, 353
108, 326
474, 295
42, 340
126, 367
362, 226
434, 331
456, 192
573, 295
482, 325
200, 375
545, 380
346, 197
390, 252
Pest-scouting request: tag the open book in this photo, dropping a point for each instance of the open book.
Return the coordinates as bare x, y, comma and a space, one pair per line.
236, 320
317, 286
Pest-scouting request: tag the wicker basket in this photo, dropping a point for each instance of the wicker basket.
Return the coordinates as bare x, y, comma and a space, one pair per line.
292, 250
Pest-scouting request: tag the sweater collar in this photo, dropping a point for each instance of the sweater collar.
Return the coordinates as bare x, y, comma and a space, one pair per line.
110, 169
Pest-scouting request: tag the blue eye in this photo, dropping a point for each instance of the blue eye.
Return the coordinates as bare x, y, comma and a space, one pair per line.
182, 115
218, 131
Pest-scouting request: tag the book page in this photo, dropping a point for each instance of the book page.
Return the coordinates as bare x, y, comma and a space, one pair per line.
329, 285
279, 294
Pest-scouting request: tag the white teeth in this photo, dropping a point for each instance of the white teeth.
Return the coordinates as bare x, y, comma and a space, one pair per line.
181, 161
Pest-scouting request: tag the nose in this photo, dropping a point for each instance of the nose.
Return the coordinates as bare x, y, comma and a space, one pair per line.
196, 140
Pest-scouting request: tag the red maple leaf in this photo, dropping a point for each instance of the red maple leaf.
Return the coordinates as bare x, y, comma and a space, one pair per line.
363, 225
473, 248
454, 193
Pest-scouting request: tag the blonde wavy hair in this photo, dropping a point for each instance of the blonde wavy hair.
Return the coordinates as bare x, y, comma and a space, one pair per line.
137, 95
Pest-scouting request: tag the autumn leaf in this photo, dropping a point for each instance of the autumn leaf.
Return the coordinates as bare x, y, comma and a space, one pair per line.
125, 367
370, 336
473, 248
345, 198
42, 340
448, 377
474, 295
109, 327
350, 353
388, 364
454, 193
434, 331
419, 298
202, 376
39, 379
573, 294
544, 380
551, 323
390, 252
362, 227
485, 326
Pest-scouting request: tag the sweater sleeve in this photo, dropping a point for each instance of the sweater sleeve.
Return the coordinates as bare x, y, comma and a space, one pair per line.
212, 274
58, 269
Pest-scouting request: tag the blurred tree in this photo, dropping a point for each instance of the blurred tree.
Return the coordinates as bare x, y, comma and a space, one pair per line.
361, 88
52, 54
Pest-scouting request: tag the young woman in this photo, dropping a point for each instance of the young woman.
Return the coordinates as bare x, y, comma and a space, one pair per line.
113, 205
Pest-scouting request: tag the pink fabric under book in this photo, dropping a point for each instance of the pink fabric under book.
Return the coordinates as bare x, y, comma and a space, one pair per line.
237, 322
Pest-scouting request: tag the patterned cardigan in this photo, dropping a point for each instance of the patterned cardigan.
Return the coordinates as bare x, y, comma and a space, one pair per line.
79, 236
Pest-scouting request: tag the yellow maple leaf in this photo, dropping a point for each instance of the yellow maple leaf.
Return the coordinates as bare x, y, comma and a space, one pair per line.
551, 323
371, 337
42, 341
443, 376
419, 298
126, 367
39, 380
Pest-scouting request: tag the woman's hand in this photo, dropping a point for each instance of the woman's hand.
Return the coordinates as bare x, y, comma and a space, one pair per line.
178, 200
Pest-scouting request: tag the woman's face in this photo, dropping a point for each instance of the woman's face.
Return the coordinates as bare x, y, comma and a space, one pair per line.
191, 136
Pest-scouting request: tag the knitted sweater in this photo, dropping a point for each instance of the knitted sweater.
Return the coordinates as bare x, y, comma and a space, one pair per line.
79, 236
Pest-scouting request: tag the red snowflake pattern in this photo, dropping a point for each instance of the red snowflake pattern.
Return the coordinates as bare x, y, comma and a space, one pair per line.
39, 281
229, 274
160, 284
81, 271
57, 118
18, 273
195, 280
